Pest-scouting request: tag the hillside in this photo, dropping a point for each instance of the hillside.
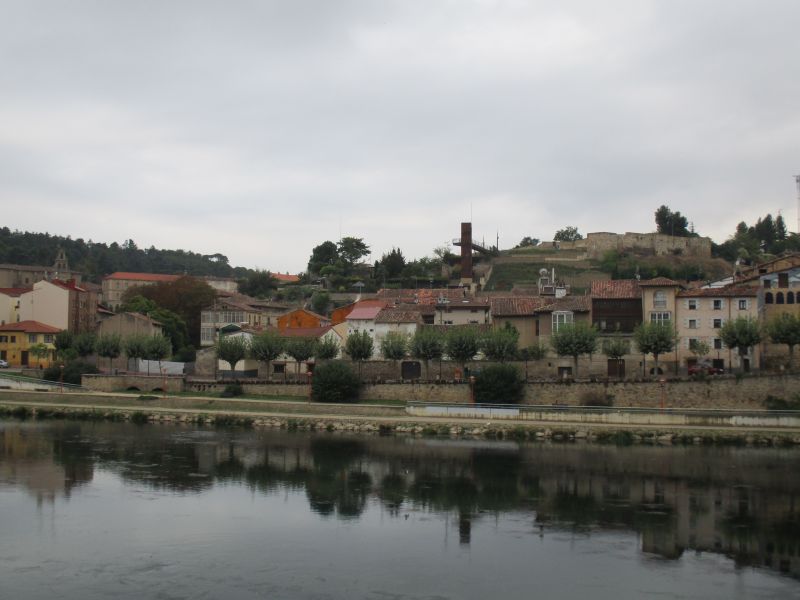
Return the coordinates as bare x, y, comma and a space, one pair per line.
98, 259
521, 266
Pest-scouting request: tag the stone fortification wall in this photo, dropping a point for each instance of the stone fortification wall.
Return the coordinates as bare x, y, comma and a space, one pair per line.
597, 244
142, 383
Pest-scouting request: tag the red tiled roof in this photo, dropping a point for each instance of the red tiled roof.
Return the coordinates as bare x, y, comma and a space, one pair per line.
726, 292
424, 295
285, 277
30, 327
569, 303
67, 285
364, 313
659, 282
14, 292
616, 288
395, 315
143, 276
310, 332
517, 306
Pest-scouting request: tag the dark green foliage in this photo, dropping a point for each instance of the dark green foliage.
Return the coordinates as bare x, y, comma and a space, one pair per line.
72, 371
157, 348
185, 354
232, 349
462, 343
616, 348
321, 256
335, 382
109, 345
394, 346
499, 384
326, 348
774, 403
359, 345
500, 344
535, 352
259, 284
99, 259
232, 390
63, 341
173, 325
655, 339
391, 265
741, 333
671, 223
139, 417
266, 347
320, 302
574, 340
785, 329
568, 234
84, 344
596, 398
750, 242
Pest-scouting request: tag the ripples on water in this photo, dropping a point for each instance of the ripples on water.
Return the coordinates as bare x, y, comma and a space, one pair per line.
104, 510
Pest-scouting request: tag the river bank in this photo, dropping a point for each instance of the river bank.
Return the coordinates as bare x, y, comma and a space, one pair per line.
371, 419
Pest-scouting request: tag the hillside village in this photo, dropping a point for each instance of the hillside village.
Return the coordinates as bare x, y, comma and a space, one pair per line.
537, 291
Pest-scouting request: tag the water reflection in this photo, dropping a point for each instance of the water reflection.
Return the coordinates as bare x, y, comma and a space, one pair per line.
743, 503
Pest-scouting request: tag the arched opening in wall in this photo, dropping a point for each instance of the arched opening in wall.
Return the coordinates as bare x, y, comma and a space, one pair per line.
789, 297
157, 390
768, 299
779, 298
133, 388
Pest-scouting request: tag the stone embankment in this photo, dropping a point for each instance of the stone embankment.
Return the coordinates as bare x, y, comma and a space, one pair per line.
384, 420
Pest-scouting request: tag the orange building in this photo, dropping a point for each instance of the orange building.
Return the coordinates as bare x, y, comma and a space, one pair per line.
301, 318
340, 314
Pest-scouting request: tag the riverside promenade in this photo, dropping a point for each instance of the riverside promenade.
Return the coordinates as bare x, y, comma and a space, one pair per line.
558, 423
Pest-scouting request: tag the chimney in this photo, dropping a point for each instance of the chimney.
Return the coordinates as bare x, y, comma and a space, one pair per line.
466, 251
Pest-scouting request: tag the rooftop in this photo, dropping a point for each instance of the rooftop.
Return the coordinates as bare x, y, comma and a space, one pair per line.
723, 292
29, 327
155, 277
616, 289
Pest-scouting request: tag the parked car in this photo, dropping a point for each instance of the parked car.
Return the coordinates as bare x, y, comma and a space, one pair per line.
3, 364
705, 369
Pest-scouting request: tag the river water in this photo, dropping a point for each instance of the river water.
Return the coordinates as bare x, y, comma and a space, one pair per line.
112, 510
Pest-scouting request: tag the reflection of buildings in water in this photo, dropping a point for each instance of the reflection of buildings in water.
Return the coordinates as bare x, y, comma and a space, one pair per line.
29, 459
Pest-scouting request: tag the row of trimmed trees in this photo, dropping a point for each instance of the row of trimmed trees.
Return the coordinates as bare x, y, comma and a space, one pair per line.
112, 345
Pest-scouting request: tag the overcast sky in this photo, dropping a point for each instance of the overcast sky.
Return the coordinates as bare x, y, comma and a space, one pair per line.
259, 129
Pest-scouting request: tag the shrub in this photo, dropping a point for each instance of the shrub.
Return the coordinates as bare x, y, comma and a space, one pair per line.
72, 371
232, 390
499, 384
596, 398
335, 382
775, 403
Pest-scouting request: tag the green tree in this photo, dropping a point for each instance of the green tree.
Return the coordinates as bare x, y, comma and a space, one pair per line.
320, 301
136, 348
616, 348
158, 348
352, 249
266, 347
394, 346
327, 348
741, 333
259, 284
186, 297
84, 344
499, 384
321, 256
671, 223
359, 347
527, 242
173, 326
39, 351
232, 349
300, 349
391, 264
427, 344
109, 345
335, 382
655, 339
574, 340
699, 349
63, 343
500, 344
462, 344
785, 329
568, 234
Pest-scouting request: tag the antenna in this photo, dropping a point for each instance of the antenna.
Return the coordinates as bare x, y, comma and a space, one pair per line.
797, 181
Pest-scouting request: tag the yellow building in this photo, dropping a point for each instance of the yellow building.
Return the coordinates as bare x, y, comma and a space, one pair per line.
17, 340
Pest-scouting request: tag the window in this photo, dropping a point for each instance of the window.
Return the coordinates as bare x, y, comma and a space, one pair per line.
48, 339
32, 338
767, 284
783, 280
662, 318
717, 324
789, 297
13, 339
561, 318
3, 339
692, 304
768, 299
717, 304
692, 323
717, 344
742, 304
660, 300
279, 368
779, 298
